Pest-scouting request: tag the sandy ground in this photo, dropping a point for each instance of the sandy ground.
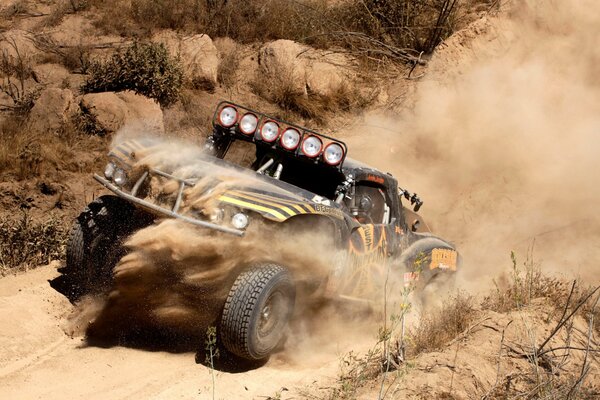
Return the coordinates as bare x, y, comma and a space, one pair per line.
39, 360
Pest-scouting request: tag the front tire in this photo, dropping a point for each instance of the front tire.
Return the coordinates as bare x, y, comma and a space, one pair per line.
257, 311
96, 242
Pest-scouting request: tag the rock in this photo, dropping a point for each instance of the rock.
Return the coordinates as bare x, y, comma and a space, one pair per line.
51, 111
283, 59
326, 74
110, 111
199, 57
312, 71
51, 75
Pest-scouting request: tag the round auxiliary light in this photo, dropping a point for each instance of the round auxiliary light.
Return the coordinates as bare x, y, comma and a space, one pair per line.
248, 124
269, 131
311, 146
227, 116
240, 221
109, 170
120, 177
333, 153
290, 139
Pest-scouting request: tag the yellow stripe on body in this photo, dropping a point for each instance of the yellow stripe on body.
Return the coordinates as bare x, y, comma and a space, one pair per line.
251, 206
269, 202
298, 205
291, 203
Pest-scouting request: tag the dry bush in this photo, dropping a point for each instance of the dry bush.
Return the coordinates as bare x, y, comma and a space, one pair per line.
15, 72
437, 327
27, 243
417, 25
75, 58
168, 14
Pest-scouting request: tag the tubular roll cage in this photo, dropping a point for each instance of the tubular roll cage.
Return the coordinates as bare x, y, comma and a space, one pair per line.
255, 137
174, 211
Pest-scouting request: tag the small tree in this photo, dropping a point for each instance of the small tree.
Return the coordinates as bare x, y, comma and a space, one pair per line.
145, 68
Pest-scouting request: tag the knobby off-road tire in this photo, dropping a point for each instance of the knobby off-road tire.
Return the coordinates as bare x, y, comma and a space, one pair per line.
257, 311
96, 241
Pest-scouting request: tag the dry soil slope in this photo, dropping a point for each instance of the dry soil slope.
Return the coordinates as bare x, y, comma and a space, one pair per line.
40, 360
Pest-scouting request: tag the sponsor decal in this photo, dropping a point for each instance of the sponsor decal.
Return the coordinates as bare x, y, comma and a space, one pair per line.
321, 209
444, 259
375, 178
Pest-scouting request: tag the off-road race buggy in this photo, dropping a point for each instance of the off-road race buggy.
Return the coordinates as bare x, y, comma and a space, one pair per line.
299, 177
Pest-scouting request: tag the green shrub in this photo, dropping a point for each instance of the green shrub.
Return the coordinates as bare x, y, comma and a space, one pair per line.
145, 68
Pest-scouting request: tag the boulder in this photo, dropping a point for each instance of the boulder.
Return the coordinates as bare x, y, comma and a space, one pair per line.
112, 110
283, 59
200, 59
198, 54
51, 75
326, 72
51, 111
309, 69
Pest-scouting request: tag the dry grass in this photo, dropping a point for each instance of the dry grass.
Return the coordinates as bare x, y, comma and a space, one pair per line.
437, 327
280, 88
25, 243
227, 71
24, 155
196, 114
527, 282
383, 29
16, 71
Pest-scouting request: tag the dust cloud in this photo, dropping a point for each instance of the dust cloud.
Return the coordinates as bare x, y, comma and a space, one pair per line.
503, 141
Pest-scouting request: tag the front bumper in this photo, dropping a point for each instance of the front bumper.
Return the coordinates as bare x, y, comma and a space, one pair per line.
161, 210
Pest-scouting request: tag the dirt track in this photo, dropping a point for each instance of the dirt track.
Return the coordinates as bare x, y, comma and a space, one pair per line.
39, 360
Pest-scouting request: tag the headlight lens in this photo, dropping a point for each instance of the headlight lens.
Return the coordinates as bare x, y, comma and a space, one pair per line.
269, 131
248, 124
227, 116
333, 153
216, 215
120, 177
311, 146
240, 221
290, 139
109, 170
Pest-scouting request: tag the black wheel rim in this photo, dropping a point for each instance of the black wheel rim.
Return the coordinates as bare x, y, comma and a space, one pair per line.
271, 314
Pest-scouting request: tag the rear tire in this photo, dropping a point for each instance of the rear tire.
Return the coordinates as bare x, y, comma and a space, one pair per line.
257, 311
